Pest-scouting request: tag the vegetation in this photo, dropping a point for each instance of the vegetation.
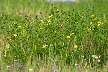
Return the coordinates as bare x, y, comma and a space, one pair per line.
38, 36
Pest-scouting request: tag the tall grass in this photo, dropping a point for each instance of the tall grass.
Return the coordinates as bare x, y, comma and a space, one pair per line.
41, 36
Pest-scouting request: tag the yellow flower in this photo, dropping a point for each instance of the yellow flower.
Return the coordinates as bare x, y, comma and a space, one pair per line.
67, 37
44, 46
99, 23
14, 35
91, 22
50, 16
60, 25
75, 46
92, 15
71, 34
55, 31
19, 26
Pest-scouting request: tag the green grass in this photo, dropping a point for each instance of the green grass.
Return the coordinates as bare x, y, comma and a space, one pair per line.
46, 36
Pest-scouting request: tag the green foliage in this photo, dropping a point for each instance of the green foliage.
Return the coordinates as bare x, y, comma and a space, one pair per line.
77, 34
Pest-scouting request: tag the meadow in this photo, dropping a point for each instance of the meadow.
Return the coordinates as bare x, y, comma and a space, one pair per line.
40, 36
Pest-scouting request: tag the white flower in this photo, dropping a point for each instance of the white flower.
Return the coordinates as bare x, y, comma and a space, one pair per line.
85, 59
30, 70
93, 56
75, 50
99, 56
76, 64
15, 60
8, 67
96, 57
82, 56
98, 60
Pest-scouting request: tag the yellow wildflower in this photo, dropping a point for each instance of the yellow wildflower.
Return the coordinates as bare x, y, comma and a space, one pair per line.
91, 22
44, 46
60, 25
71, 34
75, 46
50, 16
92, 15
67, 37
19, 26
99, 23
55, 31
14, 35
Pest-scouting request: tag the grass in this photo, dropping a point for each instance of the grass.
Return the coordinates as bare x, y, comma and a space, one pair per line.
43, 37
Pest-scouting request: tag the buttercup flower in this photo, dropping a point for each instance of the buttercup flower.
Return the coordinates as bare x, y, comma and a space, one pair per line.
92, 15
75, 46
50, 16
60, 24
67, 37
44, 46
19, 26
99, 23
55, 31
91, 22
14, 35
71, 34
